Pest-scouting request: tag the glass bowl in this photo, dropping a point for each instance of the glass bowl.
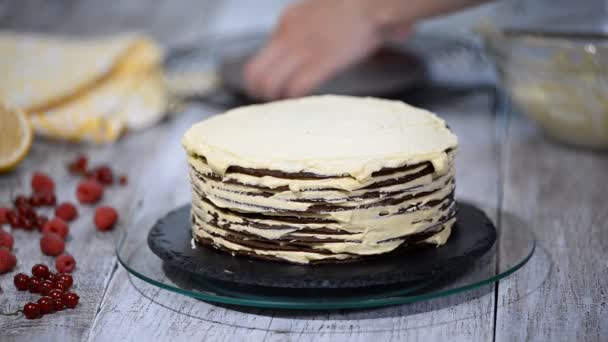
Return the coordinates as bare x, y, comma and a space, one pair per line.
559, 81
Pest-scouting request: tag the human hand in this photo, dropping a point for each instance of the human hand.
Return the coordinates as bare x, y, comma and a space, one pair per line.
314, 40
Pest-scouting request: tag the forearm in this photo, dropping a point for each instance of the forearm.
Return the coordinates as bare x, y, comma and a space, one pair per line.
390, 15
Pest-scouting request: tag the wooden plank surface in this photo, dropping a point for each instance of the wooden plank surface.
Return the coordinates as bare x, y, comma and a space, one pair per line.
562, 295
93, 250
133, 310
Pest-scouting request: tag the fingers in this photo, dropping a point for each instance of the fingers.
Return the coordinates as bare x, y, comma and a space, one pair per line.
259, 67
277, 73
308, 77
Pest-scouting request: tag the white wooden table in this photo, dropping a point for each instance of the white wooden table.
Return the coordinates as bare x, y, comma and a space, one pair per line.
560, 295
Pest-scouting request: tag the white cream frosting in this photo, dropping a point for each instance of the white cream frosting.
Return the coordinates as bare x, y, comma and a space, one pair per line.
345, 137
327, 135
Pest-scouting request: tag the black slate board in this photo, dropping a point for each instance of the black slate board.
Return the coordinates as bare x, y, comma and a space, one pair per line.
472, 236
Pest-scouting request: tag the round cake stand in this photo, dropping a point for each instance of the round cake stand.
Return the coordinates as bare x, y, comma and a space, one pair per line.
514, 246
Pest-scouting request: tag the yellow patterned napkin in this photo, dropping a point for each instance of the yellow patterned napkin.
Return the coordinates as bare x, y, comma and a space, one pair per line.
83, 89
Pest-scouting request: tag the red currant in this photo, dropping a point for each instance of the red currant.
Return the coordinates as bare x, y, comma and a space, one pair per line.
58, 304
27, 223
49, 199
13, 219
21, 281
60, 285
79, 165
37, 200
56, 294
46, 287
34, 284
41, 220
40, 271
104, 175
26, 210
123, 180
66, 278
46, 305
53, 277
31, 311
21, 200
70, 300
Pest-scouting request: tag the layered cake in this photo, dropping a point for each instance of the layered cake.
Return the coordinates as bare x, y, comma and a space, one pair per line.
321, 179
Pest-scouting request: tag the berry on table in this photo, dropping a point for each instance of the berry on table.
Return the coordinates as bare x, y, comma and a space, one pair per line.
52, 244
13, 219
79, 165
56, 226
46, 287
40, 271
26, 210
105, 218
70, 300
37, 200
34, 285
41, 220
60, 285
58, 304
66, 278
53, 277
65, 263
8, 260
89, 191
3, 215
31, 311
56, 294
66, 211
27, 223
21, 200
41, 183
6, 240
123, 180
46, 305
21, 281
104, 175
49, 199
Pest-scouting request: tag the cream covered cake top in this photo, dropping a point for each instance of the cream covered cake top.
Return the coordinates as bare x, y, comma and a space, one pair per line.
327, 135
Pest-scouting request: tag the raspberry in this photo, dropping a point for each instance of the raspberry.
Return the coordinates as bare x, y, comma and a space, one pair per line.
42, 183
6, 240
8, 261
65, 263
4, 215
104, 175
52, 244
89, 191
57, 226
105, 218
67, 211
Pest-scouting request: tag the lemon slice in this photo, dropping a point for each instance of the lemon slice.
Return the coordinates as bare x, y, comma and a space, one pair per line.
15, 138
